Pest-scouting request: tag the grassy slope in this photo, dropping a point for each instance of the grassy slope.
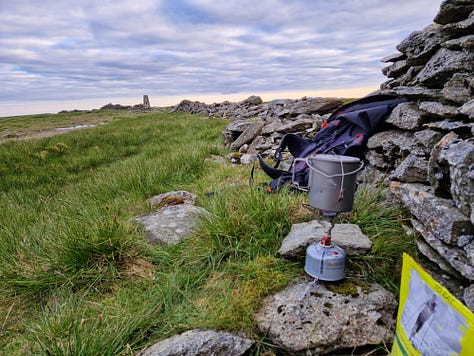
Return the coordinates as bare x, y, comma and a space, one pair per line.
76, 276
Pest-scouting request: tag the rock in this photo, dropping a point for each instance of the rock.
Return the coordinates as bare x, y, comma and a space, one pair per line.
453, 11
413, 169
468, 109
297, 125
451, 171
253, 100
443, 65
427, 138
395, 145
171, 224
250, 133
416, 92
469, 297
321, 321
247, 159
458, 29
438, 169
394, 57
455, 256
435, 257
437, 215
458, 127
377, 160
457, 89
419, 46
259, 144
454, 163
172, 198
438, 110
457, 44
406, 116
347, 236
319, 105
396, 69
200, 343
233, 130
193, 107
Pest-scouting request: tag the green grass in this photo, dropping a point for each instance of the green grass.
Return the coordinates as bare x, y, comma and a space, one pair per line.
77, 277
29, 124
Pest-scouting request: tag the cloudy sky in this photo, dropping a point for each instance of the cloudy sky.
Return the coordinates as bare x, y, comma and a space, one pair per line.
91, 52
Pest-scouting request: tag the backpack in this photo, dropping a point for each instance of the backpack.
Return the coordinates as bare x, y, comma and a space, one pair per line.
345, 133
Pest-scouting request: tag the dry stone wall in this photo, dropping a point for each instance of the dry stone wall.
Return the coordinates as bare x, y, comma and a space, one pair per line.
427, 155
257, 127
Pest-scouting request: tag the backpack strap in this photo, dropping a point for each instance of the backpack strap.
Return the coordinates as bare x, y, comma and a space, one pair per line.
295, 144
272, 172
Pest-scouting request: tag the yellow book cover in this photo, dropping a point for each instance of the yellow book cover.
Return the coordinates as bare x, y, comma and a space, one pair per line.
430, 320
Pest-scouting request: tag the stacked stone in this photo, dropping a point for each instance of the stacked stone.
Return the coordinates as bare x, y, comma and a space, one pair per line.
428, 152
257, 127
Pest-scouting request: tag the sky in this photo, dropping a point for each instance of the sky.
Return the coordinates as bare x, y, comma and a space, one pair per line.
83, 54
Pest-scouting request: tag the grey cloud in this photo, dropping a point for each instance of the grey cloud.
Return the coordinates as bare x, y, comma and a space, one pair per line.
89, 48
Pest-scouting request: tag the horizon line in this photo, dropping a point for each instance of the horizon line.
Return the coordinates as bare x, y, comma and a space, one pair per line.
37, 107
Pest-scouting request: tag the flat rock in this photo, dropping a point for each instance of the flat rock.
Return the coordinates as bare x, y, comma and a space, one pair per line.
443, 65
406, 116
437, 109
347, 236
455, 256
248, 135
200, 343
171, 224
320, 321
437, 215
416, 92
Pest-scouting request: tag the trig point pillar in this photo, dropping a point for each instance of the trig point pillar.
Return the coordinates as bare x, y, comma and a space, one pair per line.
146, 101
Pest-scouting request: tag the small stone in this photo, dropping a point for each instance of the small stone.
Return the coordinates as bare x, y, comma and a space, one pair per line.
200, 342
347, 236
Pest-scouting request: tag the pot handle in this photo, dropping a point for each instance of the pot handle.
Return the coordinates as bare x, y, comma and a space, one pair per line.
308, 162
296, 184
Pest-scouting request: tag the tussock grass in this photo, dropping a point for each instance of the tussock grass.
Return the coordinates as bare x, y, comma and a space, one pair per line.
76, 276
383, 221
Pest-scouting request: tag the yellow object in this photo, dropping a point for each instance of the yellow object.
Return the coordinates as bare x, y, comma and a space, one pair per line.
430, 321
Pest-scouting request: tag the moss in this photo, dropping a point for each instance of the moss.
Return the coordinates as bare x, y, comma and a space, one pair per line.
348, 286
171, 200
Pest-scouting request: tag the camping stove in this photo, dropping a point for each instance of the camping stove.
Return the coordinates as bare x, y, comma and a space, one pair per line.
324, 260
331, 189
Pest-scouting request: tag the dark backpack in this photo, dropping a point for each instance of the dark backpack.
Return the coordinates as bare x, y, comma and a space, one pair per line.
344, 133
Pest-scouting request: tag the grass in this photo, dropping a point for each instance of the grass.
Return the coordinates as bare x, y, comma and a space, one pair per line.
76, 277
17, 126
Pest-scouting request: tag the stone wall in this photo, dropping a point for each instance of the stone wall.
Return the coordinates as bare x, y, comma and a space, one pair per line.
427, 153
